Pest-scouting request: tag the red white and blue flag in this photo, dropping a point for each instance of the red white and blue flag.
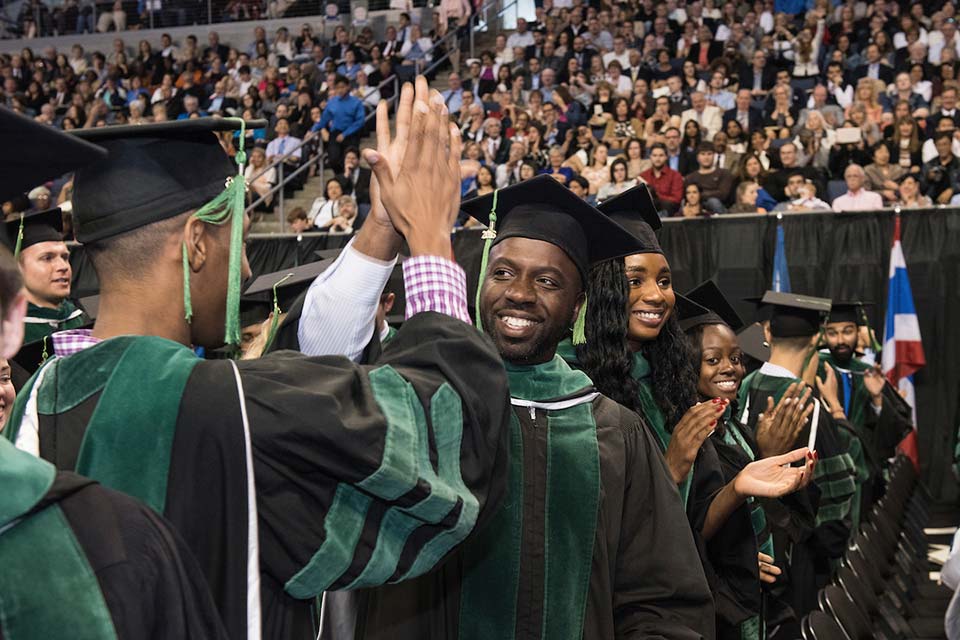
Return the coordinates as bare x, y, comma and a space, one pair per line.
902, 347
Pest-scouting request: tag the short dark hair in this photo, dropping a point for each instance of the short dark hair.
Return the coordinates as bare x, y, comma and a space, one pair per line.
297, 213
658, 145
341, 80
580, 180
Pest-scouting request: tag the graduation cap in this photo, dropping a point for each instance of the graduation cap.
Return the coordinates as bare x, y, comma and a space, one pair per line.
543, 209
687, 310
289, 283
717, 309
153, 172
157, 171
634, 211
754, 343
38, 153
42, 226
254, 310
795, 315
852, 311
763, 311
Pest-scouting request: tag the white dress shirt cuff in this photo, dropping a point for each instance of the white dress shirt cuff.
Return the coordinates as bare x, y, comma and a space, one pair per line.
339, 311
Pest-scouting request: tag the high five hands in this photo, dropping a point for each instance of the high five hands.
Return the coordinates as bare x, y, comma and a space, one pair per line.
417, 171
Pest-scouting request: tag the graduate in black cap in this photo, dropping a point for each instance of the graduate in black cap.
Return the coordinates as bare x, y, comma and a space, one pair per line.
287, 476
591, 541
739, 541
870, 402
795, 327
78, 559
44, 260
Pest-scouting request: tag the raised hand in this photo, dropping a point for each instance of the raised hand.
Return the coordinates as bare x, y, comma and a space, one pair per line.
696, 426
391, 148
827, 385
774, 477
421, 192
779, 426
768, 571
874, 382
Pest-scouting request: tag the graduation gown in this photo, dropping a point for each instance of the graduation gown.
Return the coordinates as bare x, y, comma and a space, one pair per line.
880, 432
590, 542
42, 321
808, 555
730, 558
93, 563
326, 475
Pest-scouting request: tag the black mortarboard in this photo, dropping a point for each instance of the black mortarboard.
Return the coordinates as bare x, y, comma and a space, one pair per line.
290, 283
37, 152
718, 309
686, 310
29, 358
795, 315
764, 311
635, 211
254, 310
153, 172
848, 312
42, 226
754, 343
543, 209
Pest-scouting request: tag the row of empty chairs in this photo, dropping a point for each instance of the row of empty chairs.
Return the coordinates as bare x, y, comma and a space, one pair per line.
882, 588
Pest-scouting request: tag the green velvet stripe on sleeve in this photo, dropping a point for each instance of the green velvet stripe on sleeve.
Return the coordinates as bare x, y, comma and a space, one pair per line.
405, 463
47, 587
835, 477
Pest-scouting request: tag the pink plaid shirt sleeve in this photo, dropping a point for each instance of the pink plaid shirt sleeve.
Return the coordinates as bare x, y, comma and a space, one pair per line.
435, 284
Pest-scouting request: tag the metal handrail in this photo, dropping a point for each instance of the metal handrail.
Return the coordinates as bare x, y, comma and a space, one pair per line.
282, 181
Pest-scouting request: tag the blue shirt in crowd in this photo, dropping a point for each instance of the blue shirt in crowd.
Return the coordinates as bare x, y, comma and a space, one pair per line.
343, 115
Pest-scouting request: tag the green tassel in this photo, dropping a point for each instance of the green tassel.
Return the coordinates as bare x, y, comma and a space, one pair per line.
228, 206
874, 344
580, 325
187, 304
16, 250
275, 321
488, 236
816, 348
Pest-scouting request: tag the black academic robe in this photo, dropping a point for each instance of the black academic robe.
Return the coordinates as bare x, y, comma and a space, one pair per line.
638, 580
807, 554
145, 580
342, 497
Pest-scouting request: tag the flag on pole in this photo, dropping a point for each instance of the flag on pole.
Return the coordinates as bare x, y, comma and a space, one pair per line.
902, 347
781, 274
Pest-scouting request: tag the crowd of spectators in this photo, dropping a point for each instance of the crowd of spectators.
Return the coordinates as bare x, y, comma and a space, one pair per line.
721, 106
45, 18
313, 93
731, 107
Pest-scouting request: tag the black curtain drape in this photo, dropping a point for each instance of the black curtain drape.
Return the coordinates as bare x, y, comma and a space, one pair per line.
839, 256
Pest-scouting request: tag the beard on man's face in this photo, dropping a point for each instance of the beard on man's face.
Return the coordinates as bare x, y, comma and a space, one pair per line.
842, 352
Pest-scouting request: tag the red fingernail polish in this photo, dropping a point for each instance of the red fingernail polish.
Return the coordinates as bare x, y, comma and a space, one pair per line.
716, 401
816, 456
713, 424
810, 454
